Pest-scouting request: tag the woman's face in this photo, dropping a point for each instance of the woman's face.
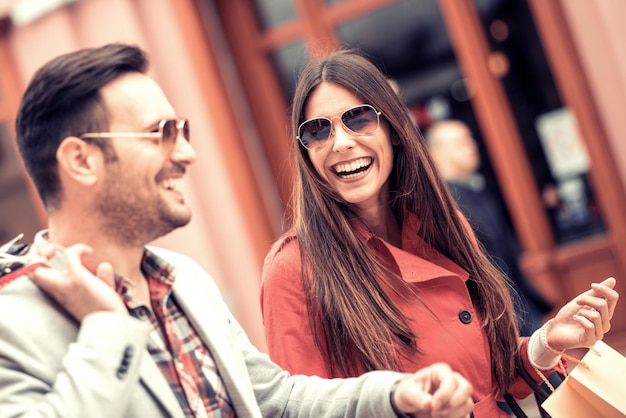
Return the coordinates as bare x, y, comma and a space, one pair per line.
357, 167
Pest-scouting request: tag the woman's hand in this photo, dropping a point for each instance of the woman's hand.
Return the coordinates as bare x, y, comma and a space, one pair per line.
434, 392
585, 319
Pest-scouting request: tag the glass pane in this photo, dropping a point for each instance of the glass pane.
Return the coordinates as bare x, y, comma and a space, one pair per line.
417, 53
272, 13
554, 148
288, 61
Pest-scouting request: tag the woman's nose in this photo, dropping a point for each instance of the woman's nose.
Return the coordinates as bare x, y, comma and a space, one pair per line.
342, 137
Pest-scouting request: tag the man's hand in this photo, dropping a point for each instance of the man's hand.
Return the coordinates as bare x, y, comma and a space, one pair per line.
75, 288
435, 392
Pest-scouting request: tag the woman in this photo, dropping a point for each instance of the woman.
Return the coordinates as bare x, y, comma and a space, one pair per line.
392, 276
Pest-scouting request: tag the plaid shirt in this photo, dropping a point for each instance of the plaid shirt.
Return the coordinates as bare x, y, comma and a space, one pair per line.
174, 345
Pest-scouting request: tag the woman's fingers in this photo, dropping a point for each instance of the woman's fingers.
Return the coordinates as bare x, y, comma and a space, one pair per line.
585, 319
601, 298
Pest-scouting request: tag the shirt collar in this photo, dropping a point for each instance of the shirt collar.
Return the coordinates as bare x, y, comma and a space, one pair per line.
152, 266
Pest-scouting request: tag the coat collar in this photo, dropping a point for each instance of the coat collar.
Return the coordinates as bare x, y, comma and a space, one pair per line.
416, 261
154, 382
198, 297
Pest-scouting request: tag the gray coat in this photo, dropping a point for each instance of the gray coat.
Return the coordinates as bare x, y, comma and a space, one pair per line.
52, 366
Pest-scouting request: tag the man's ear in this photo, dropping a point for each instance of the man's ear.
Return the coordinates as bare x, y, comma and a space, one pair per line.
78, 160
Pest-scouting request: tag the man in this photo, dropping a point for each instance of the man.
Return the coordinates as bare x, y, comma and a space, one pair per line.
456, 156
96, 324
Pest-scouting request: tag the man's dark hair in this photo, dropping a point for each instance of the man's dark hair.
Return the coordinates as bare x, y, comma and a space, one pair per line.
63, 99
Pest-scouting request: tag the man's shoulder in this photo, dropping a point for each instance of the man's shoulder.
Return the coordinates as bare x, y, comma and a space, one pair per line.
186, 268
460, 189
26, 307
18, 285
177, 260
170, 256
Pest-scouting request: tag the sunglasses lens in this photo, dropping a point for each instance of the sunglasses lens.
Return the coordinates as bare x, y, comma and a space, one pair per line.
171, 129
314, 133
170, 133
184, 128
362, 120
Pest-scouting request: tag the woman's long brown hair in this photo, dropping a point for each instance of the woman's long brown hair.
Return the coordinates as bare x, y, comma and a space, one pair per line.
348, 309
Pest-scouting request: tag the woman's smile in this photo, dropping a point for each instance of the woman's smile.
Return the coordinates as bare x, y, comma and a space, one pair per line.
352, 169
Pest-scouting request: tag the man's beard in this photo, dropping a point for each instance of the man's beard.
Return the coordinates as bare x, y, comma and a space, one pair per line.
130, 219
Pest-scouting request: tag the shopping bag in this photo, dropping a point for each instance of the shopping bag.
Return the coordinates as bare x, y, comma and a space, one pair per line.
596, 388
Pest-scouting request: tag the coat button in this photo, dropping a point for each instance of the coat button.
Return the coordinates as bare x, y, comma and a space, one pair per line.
126, 358
465, 316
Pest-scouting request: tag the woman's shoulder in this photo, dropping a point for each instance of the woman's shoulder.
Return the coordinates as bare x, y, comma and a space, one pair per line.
282, 266
284, 251
288, 242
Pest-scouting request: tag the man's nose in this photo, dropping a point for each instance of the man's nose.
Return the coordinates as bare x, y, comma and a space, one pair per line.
183, 151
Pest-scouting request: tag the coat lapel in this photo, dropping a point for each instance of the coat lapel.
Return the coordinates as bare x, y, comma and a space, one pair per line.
211, 319
152, 379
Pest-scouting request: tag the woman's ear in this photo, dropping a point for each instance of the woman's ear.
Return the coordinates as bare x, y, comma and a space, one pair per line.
78, 160
395, 140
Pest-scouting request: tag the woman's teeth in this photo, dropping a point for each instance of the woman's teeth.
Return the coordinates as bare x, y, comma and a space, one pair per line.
354, 167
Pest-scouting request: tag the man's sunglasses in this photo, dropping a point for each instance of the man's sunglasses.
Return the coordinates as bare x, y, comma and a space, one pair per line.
361, 120
167, 134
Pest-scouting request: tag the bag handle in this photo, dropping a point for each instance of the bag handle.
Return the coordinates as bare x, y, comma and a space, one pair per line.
539, 392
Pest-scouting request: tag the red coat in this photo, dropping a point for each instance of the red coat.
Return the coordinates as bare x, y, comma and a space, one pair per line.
448, 328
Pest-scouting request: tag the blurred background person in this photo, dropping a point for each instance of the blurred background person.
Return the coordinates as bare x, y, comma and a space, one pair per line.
456, 156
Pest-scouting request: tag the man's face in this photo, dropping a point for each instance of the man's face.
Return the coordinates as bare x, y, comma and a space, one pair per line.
140, 196
467, 152
458, 147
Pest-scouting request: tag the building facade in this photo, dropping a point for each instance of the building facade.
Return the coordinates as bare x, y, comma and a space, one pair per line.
541, 83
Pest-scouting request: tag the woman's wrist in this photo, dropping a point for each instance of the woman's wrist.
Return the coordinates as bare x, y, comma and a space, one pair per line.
540, 354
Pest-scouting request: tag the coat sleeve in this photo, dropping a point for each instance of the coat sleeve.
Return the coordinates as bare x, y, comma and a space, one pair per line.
260, 387
280, 394
59, 368
287, 329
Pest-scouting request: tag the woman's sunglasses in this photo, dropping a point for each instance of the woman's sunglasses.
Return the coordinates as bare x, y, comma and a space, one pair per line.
361, 120
167, 133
